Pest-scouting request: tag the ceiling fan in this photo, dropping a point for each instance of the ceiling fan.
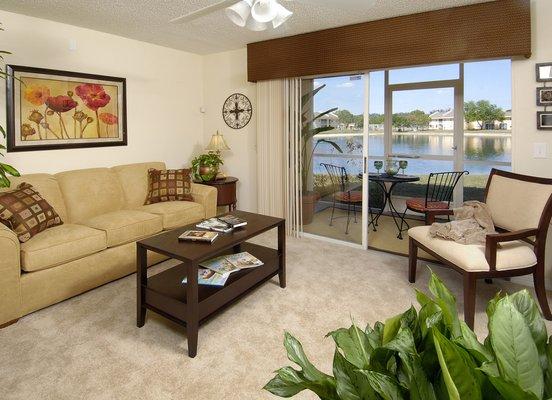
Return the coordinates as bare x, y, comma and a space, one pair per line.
258, 15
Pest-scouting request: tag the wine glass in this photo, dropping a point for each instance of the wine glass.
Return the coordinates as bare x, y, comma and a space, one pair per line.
378, 164
403, 164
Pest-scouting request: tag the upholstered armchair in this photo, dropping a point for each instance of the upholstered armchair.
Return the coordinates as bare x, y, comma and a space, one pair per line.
521, 209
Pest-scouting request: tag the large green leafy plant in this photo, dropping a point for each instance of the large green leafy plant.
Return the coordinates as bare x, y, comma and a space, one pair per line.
5, 169
430, 354
213, 160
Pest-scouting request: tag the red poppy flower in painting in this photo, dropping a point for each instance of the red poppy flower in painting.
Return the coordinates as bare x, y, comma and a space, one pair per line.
61, 104
108, 119
93, 95
37, 94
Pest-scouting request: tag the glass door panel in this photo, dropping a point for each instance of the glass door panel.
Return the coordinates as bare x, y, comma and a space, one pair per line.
333, 157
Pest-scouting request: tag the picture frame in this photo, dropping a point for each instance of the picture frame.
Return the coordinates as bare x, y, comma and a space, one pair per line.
544, 120
544, 96
544, 72
53, 109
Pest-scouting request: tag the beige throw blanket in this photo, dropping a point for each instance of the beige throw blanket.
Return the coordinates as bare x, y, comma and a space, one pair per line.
471, 225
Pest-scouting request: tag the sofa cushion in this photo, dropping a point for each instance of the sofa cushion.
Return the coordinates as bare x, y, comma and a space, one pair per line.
25, 212
59, 245
169, 185
134, 181
47, 186
510, 255
126, 226
90, 192
176, 213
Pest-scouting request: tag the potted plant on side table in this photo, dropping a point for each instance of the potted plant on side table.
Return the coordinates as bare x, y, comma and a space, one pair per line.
5, 169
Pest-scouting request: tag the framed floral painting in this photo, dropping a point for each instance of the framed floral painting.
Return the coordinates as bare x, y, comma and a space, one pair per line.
50, 109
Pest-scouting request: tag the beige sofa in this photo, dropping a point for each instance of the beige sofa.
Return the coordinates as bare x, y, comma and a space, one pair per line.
104, 215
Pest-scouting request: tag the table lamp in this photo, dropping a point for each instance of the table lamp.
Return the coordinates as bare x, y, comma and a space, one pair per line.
217, 145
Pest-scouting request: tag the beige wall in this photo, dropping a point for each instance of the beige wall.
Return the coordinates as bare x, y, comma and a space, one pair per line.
164, 92
224, 74
524, 108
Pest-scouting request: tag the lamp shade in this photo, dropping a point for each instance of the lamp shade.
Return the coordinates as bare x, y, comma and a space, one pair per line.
264, 10
239, 12
282, 15
217, 143
255, 25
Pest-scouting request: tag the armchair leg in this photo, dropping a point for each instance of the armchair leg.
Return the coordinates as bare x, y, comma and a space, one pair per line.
469, 299
412, 260
540, 289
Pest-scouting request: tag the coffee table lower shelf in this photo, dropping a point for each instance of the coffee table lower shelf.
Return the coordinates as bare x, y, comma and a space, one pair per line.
166, 295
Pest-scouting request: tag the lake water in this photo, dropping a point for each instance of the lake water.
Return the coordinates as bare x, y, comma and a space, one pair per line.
483, 147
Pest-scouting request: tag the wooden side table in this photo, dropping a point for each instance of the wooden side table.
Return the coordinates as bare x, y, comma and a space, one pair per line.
226, 191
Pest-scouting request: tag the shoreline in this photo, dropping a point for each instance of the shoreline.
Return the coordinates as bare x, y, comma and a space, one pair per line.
499, 134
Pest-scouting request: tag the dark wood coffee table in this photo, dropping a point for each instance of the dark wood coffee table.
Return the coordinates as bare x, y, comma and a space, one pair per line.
190, 304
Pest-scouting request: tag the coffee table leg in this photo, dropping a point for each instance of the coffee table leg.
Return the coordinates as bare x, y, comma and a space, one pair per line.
192, 320
141, 282
282, 253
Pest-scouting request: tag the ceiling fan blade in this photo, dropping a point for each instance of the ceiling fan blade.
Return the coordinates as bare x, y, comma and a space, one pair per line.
204, 11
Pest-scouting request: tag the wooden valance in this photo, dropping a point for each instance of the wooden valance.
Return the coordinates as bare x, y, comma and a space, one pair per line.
496, 29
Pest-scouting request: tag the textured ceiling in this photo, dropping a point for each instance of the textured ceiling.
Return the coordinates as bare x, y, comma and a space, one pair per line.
147, 20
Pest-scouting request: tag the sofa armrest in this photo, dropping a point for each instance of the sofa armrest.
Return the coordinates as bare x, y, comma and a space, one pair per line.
207, 196
10, 274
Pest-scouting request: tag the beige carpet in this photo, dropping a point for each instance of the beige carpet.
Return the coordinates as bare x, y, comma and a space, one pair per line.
89, 347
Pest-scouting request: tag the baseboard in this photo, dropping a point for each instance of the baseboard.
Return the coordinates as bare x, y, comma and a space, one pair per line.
5, 325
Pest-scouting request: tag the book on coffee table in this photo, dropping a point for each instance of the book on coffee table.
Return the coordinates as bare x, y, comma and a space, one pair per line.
208, 277
214, 224
233, 221
198, 236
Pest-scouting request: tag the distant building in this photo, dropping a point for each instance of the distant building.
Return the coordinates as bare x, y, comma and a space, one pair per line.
443, 120
328, 120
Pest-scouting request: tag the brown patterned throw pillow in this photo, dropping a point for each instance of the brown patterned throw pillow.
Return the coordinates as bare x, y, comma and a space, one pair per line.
169, 185
24, 211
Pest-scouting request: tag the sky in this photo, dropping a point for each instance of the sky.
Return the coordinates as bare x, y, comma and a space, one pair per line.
486, 80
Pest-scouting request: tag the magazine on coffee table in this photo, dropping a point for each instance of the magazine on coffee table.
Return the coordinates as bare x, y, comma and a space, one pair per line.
208, 277
220, 265
198, 236
244, 260
214, 224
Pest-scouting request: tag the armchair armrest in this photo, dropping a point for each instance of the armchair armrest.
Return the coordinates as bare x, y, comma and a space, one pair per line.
432, 214
494, 239
206, 196
10, 274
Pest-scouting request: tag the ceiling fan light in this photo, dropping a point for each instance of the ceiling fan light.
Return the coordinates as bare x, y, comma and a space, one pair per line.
256, 26
264, 10
282, 16
239, 12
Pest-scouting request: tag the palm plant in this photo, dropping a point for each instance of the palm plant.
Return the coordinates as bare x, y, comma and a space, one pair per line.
308, 135
430, 354
5, 169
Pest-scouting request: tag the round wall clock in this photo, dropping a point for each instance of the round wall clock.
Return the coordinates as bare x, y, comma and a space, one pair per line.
237, 111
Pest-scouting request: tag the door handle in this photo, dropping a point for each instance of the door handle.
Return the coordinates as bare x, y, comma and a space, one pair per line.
365, 165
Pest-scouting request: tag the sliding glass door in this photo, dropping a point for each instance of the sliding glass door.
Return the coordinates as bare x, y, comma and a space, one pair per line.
333, 147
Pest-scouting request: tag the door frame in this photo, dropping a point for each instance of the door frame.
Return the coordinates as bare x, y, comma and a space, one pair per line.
457, 157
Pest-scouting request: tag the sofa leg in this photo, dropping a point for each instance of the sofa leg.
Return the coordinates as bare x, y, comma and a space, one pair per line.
2, 326
469, 299
412, 260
